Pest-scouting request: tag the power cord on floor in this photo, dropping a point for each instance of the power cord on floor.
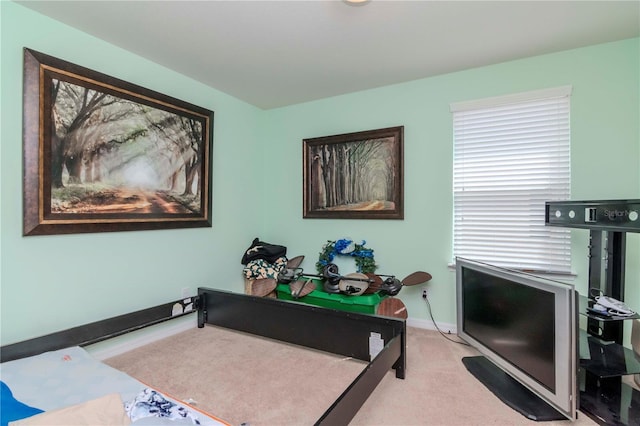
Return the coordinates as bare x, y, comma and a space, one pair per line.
424, 296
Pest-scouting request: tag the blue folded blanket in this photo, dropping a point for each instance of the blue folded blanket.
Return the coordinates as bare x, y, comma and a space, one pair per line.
11, 409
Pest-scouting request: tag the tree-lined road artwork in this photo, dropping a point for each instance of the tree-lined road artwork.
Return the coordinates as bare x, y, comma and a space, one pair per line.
110, 155
365, 206
124, 201
353, 175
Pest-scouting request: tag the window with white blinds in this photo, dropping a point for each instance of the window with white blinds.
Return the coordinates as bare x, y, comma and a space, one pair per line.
511, 154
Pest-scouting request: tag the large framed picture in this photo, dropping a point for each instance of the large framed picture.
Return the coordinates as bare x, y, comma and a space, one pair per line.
354, 175
102, 154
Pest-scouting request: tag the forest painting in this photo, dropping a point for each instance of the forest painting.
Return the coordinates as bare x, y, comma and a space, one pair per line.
355, 175
102, 154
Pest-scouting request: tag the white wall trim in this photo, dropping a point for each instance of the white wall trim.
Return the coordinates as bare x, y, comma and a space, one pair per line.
119, 345
496, 101
429, 325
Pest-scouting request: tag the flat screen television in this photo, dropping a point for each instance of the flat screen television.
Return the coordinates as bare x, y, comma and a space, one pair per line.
526, 329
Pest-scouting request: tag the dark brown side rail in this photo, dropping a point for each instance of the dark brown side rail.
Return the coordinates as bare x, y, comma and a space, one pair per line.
348, 404
94, 332
330, 330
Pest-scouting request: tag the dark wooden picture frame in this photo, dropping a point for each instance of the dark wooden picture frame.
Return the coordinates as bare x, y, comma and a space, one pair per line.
102, 154
354, 175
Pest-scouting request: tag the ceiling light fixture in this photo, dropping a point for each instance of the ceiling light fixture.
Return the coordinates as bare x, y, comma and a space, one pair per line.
356, 2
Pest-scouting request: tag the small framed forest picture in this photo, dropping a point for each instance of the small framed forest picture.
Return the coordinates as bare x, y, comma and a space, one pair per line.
355, 175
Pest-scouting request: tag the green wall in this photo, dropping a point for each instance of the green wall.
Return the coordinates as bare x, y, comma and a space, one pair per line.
605, 159
54, 282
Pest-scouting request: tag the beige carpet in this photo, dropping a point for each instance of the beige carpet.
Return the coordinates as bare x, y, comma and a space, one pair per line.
244, 379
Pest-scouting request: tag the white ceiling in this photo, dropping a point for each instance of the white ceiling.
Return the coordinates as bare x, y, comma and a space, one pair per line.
277, 53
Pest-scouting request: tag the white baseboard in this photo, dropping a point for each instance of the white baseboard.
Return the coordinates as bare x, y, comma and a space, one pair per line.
429, 325
119, 345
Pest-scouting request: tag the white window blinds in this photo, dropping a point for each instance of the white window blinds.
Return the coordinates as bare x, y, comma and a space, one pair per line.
511, 154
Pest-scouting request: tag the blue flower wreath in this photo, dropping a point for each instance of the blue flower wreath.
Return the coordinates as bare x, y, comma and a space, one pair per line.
365, 261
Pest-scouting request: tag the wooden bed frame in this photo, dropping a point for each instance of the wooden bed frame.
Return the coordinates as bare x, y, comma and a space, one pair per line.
329, 330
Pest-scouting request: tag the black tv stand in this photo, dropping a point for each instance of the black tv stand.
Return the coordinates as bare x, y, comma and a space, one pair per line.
604, 397
510, 391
